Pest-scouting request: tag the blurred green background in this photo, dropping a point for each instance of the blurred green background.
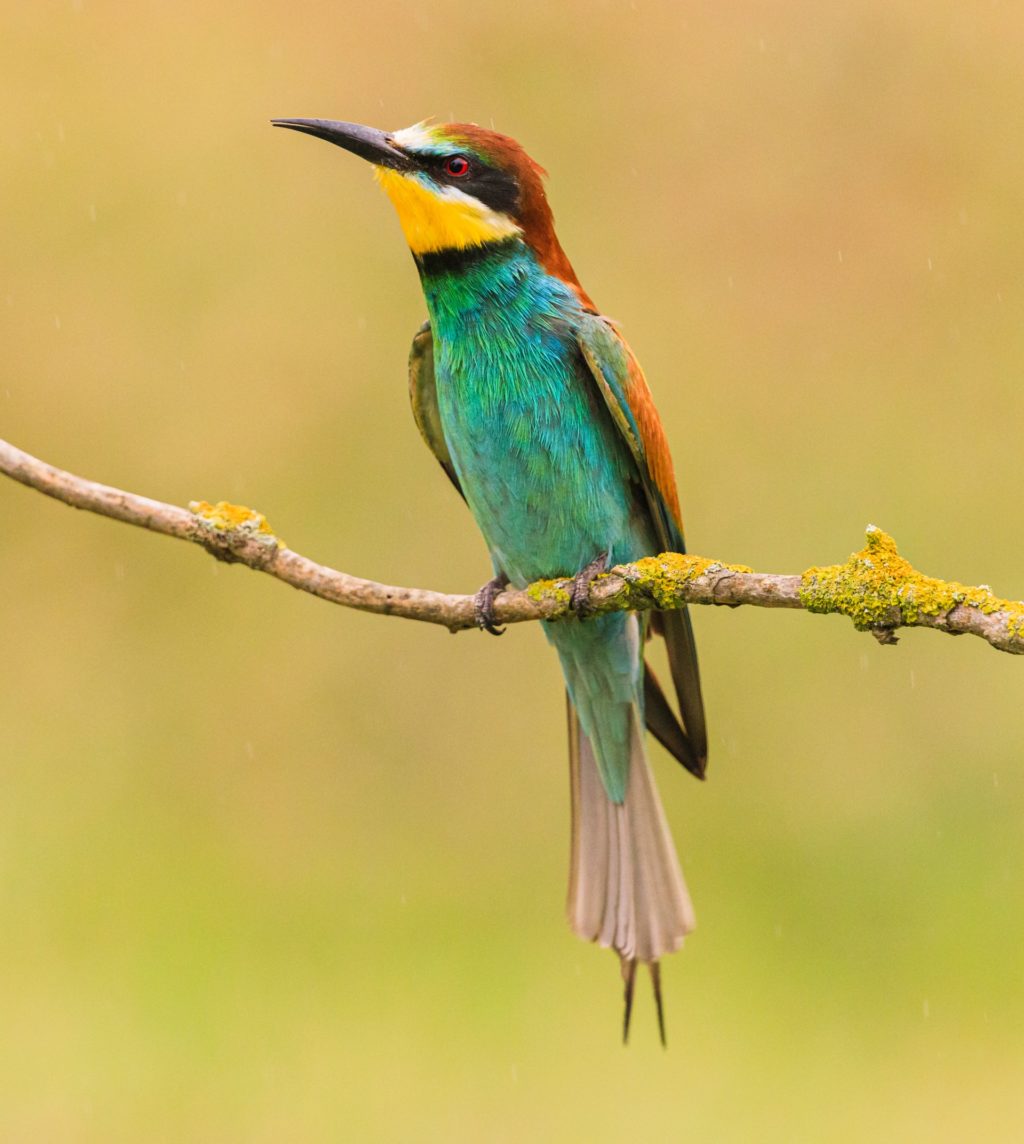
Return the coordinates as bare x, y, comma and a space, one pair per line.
271, 870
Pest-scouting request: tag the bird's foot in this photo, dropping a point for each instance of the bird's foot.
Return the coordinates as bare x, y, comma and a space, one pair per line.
483, 605
579, 594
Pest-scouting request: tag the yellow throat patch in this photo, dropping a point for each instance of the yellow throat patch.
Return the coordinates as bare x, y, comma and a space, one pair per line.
443, 220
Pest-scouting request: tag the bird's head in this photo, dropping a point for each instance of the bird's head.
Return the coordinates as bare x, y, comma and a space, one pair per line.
455, 186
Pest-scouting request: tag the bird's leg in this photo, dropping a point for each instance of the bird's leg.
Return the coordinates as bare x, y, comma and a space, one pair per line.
483, 604
579, 594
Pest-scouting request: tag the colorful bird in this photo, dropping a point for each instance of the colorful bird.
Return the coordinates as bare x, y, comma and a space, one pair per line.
538, 412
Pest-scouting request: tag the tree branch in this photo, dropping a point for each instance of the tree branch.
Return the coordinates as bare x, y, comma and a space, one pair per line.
876, 588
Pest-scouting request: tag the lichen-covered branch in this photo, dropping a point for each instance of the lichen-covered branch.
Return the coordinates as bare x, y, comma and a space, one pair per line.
876, 588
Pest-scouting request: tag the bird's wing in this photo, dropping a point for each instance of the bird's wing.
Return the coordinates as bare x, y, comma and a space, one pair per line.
423, 396
624, 389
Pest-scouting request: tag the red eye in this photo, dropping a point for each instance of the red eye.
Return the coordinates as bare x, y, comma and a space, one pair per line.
457, 166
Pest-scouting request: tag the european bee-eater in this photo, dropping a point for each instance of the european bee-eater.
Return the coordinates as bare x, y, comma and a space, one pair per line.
539, 413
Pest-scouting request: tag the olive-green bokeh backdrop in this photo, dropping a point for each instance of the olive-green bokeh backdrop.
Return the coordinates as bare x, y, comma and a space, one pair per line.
275, 871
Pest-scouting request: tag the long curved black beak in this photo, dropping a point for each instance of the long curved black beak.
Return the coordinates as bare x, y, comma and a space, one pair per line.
366, 142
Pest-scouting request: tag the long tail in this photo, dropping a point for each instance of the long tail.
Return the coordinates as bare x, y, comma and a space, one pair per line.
626, 889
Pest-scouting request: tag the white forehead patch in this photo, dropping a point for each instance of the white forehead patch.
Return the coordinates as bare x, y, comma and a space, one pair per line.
419, 137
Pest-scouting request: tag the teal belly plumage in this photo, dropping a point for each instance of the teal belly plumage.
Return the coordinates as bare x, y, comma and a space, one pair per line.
542, 468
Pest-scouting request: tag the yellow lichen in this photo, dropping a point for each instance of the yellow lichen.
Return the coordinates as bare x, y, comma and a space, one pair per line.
660, 577
652, 579
877, 588
541, 590
227, 517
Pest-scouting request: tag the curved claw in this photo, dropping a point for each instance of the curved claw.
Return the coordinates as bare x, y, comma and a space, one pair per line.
579, 595
483, 605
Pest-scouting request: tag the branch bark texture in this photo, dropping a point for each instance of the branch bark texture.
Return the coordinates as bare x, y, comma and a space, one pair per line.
876, 588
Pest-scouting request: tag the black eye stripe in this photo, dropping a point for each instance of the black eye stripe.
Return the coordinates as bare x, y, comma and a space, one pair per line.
496, 188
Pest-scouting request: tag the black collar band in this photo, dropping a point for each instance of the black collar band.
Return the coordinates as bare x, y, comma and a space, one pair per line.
459, 258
